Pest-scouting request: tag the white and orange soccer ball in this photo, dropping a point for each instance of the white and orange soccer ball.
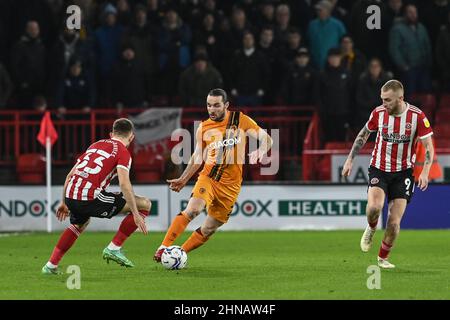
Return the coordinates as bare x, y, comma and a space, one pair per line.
174, 258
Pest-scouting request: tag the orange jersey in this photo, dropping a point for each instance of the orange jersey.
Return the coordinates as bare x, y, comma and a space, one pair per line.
225, 142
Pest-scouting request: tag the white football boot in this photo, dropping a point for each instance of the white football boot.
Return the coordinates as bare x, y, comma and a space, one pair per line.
385, 264
367, 239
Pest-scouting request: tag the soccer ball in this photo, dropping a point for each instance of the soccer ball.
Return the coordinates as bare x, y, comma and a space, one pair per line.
174, 258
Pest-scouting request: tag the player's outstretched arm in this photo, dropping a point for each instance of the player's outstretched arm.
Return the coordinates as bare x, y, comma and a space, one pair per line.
195, 162
429, 155
360, 141
128, 194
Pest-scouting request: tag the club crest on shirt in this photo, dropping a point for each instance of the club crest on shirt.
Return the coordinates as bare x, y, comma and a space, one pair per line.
374, 181
408, 126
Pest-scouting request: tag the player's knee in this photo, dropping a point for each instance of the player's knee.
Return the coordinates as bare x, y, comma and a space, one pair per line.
374, 209
208, 231
393, 226
192, 212
83, 226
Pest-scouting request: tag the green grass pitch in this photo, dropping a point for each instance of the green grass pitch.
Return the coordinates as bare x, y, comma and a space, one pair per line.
233, 265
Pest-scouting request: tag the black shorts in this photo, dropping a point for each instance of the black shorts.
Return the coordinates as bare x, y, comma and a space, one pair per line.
396, 185
106, 205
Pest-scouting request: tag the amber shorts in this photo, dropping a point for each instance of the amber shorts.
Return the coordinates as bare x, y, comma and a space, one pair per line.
219, 197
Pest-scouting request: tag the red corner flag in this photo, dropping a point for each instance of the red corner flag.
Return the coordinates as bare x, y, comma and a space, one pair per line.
47, 130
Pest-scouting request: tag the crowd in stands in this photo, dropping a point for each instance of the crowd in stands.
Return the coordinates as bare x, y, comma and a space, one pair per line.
131, 53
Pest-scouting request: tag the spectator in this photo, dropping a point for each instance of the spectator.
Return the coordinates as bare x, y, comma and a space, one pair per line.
6, 86
239, 25
107, 38
282, 26
154, 13
226, 47
299, 83
249, 73
197, 80
76, 90
352, 59
174, 52
334, 96
266, 15
324, 33
140, 35
267, 47
124, 15
434, 15
207, 37
293, 44
249, 6
410, 50
130, 81
28, 72
302, 14
368, 92
68, 47
443, 55
371, 42
394, 11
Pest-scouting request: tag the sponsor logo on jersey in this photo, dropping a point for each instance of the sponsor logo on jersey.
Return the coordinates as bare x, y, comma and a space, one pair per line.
396, 137
227, 143
426, 123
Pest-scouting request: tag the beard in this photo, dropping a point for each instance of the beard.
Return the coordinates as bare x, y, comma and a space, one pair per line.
218, 117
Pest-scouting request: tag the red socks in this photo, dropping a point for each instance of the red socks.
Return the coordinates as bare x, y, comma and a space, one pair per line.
127, 227
67, 239
384, 250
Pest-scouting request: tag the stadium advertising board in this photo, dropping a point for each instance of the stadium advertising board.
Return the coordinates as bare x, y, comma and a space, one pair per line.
290, 208
361, 163
258, 208
23, 208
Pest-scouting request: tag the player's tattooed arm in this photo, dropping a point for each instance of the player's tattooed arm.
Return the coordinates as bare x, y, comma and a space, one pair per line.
429, 152
429, 155
360, 141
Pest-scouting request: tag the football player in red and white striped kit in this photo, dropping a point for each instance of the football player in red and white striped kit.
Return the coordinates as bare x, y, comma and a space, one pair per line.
85, 196
399, 127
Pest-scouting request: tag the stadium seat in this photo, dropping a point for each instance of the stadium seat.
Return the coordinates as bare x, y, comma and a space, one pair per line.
324, 168
148, 166
31, 168
443, 143
336, 145
442, 131
444, 102
442, 116
424, 100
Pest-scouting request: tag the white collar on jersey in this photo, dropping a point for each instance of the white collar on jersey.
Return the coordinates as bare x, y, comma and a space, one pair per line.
401, 114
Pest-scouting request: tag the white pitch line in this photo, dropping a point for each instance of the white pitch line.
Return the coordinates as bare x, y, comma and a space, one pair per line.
12, 234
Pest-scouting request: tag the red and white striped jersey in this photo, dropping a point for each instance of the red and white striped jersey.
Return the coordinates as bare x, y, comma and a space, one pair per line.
96, 168
395, 145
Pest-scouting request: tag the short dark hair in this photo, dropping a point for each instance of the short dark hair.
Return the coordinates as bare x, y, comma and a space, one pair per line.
219, 93
122, 127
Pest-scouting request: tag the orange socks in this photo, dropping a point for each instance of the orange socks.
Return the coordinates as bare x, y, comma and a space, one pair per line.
195, 240
176, 228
